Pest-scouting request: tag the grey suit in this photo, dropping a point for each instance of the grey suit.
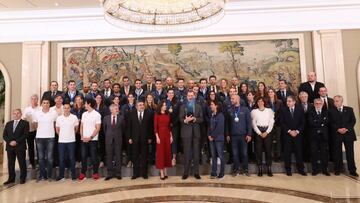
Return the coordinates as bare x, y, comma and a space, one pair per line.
113, 143
190, 134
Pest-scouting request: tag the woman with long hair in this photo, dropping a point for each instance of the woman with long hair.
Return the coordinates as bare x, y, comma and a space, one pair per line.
261, 91
244, 89
172, 106
162, 129
224, 90
150, 107
101, 108
275, 105
78, 109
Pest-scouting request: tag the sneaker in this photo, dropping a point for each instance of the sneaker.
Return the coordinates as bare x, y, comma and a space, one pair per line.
82, 177
220, 176
60, 179
212, 176
246, 173
129, 165
95, 176
235, 173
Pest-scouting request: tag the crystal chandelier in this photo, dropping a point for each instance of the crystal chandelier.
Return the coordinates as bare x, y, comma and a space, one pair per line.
163, 15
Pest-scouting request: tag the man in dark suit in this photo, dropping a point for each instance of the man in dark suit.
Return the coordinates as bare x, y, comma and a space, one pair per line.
139, 138
139, 91
191, 116
15, 134
71, 93
283, 91
213, 86
94, 90
149, 86
107, 92
292, 126
169, 84
318, 122
126, 88
181, 91
203, 90
159, 93
307, 107
113, 129
328, 102
311, 87
342, 127
52, 92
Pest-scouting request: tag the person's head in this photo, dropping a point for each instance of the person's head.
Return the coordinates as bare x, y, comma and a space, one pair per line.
150, 99
181, 83
90, 104
98, 99
214, 106
261, 87
131, 98
234, 81
126, 81
86, 88
54, 85
232, 91
94, 86
323, 92
303, 97
311, 77
169, 81
282, 84
149, 78
260, 102
212, 80
250, 96
45, 104
272, 94
71, 85
235, 100
114, 109
58, 100
203, 83
212, 95
116, 100
116, 87
158, 84
191, 84
107, 84
140, 106
66, 108
170, 93
79, 101
34, 100
338, 101
138, 84
17, 114
318, 103
162, 107
223, 83
195, 89
290, 101
190, 95
244, 88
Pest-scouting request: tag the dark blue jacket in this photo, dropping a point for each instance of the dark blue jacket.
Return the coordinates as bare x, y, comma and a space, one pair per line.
244, 126
217, 126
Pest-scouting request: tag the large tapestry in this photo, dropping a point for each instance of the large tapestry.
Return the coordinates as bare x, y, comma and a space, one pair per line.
250, 61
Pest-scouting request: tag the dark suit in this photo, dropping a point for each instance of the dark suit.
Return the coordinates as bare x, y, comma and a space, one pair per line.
289, 122
122, 90
113, 143
210, 88
281, 97
108, 99
329, 104
68, 99
307, 107
159, 96
141, 96
48, 95
319, 135
313, 94
19, 135
139, 134
148, 90
345, 119
190, 134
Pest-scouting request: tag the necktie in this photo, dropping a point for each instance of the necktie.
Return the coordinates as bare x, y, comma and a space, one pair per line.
52, 94
318, 112
113, 124
149, 88
283, 94
15, 124
325, 104
292, 112
141, 117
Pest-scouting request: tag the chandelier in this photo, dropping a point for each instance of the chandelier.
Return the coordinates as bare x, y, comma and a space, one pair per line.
163, 15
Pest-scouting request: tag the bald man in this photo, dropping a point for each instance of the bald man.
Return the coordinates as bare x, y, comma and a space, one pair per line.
311, 87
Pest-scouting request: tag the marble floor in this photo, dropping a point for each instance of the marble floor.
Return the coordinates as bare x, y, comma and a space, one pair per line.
278, 189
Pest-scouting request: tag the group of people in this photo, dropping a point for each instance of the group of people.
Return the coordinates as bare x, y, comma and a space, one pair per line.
152, 123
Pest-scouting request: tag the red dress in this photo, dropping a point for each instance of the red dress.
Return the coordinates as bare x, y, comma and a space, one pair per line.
163, 150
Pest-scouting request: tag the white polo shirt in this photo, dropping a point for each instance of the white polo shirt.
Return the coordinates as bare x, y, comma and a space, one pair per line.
45, 122
67, 126
89, 121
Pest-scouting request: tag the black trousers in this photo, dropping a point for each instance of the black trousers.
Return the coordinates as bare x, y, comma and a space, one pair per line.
349, 151
31, 147
113, 154
293, 144
20, 154
140, 155
263, 144
319, 151
191, 147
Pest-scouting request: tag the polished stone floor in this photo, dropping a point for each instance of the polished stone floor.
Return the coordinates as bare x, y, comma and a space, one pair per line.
278, 189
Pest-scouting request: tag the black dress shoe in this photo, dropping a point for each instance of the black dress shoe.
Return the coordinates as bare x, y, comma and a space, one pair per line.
184, 177
108, 178
260, 171
134, 177
118, 177
288, 173
326, 173
302, 173
197, 176
22, 181
314, 173
269, 171
337, 173
9, 182
354, 174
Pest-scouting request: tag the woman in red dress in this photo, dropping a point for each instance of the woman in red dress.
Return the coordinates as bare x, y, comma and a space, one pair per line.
164, 139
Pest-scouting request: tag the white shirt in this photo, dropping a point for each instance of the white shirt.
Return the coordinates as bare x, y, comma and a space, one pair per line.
262, 118
29, 114
140, 113
59, 111
312, 85
45, 122
67, 126
89, 121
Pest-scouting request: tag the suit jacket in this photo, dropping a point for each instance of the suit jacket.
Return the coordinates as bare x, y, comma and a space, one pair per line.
306, 87
141, 96
288, 93
139, 132
131, 90
191, 129
67, 99
107, 100
288, 122
148, 90
113, 135
19, 135
346, 119
330, 104
158, 97
47, 95
318, 124
217, 88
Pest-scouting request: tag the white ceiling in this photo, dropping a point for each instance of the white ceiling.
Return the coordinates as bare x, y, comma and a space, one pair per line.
47, 4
